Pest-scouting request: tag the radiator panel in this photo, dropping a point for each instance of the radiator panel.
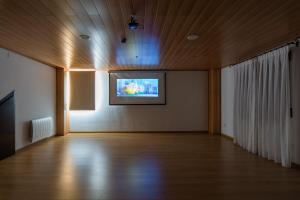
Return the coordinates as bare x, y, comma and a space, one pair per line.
41, 128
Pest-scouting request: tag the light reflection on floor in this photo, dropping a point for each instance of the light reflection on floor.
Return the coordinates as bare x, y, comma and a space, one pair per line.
137, 177
144, 178
137, 166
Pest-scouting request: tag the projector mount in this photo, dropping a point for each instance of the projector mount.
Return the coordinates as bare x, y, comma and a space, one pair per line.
133, 24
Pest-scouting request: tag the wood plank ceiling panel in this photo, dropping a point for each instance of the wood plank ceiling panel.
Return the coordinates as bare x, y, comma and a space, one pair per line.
229, 31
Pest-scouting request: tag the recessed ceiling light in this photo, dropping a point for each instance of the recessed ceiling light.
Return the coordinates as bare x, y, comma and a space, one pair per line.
192, 37
84, 37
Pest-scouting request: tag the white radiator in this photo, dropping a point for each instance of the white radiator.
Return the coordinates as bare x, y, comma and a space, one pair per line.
41, 128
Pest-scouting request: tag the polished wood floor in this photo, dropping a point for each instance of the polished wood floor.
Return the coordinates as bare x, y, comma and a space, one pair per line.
143, 167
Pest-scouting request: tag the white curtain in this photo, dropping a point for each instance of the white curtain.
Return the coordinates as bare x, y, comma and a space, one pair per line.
262, 105
295, 99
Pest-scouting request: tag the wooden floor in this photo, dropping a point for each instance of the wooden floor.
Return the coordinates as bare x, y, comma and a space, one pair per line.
143, 167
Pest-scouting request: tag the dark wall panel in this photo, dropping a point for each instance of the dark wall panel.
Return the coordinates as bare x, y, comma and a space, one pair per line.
7, 126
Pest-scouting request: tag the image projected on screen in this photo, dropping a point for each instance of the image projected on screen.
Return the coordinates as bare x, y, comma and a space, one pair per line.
137, 87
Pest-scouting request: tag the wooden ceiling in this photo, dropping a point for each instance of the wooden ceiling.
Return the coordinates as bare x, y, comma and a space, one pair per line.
229, 30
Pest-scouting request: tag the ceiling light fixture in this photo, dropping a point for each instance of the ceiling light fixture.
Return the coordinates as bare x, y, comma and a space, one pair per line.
84, 37
192, 37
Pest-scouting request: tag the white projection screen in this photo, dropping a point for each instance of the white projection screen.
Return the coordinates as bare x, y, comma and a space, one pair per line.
137, 88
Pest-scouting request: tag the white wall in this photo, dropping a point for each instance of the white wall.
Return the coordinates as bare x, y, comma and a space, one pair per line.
186, 109
35, 87
227, 92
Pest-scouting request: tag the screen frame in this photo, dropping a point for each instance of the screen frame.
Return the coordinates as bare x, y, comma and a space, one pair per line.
115, 100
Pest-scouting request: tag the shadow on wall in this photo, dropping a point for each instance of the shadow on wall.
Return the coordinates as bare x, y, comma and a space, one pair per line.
27, 129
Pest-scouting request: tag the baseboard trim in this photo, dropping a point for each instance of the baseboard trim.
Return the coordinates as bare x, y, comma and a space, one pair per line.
170, 132
227, 136
35, 144
295, 166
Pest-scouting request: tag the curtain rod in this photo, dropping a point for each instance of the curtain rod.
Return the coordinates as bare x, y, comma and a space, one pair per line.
296, 42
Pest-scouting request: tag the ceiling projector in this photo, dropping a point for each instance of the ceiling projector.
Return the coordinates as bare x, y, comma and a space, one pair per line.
133, 25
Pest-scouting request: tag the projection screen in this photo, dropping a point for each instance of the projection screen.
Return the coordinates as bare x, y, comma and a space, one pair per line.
137, 88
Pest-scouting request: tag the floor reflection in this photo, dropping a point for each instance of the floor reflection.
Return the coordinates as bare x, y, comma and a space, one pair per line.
86, 165
140, 166
88, 159
144, 178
